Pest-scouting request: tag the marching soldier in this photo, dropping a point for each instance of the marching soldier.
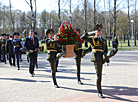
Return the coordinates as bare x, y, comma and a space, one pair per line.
9, 49
80, 54
17, 47
52, 54
3, 42
99, 54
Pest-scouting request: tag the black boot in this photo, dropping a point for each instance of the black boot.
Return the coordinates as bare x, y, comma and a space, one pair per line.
100, 95
18, 66
78, 77
62, 53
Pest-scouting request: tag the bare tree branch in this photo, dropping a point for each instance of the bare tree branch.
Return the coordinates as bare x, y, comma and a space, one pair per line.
27, 3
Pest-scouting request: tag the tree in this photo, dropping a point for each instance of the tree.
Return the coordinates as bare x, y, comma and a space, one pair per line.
114, 29
94, 12
43, 22
128, 25
109, 23
33, 13
12, 20
135, 21
121, 24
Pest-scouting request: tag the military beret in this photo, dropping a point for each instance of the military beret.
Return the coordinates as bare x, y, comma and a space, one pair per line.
11, 36
4, 34
97, 27
16, 33
49, 30
35, 33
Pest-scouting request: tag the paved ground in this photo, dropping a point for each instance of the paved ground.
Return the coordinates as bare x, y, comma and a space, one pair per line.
120, 81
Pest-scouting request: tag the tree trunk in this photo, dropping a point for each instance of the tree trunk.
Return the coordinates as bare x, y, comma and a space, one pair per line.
94, 12
85, 20
109, 24
114, 30
128, 25
59, 13
11, 17
135, 22
124, 38
35, 16
105, 19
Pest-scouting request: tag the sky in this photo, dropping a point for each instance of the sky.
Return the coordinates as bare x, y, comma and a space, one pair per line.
23, 6
50, 5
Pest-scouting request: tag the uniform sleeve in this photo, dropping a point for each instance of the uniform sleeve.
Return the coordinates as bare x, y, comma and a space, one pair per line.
48, 41
85, 37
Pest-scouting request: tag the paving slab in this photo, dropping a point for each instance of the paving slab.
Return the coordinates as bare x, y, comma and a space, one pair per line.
119, 81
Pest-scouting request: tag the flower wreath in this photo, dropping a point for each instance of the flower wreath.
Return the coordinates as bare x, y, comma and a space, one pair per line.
68, 34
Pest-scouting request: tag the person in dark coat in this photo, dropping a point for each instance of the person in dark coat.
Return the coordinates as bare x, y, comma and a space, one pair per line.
9, 49
32, 45
115, 43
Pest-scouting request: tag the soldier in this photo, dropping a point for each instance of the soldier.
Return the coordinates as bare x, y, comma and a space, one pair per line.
80, 54
17, 48
9, 49
7, 38
3, 42
99, 53
52, 54
32, 45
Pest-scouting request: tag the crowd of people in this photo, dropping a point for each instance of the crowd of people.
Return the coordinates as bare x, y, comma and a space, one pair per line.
12, 45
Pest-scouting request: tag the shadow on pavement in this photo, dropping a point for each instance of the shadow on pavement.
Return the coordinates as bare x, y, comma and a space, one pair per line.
84, 90
23, 80
121, 93
117, 93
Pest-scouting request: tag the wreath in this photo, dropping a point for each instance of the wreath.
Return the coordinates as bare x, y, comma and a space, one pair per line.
68, 35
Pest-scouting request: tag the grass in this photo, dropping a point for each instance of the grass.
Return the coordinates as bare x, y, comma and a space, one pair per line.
122, 46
